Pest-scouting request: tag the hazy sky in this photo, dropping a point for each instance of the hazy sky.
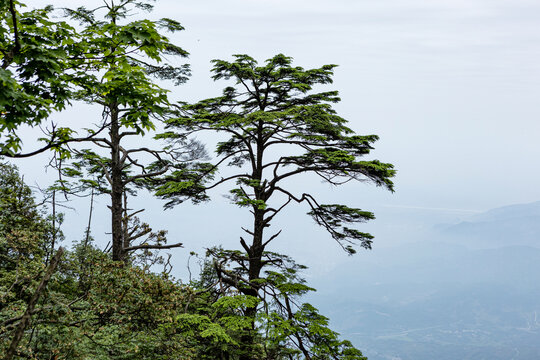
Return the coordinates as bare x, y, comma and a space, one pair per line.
450, 86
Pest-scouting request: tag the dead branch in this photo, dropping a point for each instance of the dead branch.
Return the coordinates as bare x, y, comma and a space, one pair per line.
19, 331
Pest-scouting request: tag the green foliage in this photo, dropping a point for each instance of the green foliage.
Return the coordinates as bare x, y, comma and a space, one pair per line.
215, 325
24, 240
34, 70
285, 328
122, 58
101, 309
272, 110
127, 310
310, 329
93, 307
186, 181
25, 235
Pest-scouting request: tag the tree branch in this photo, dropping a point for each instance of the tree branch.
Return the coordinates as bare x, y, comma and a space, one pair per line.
150, 246
8, 58
146, 175
52, 144
19, 331
271, 238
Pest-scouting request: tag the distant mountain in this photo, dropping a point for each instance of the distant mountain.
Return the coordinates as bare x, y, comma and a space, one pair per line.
509, 212
455, 321
438, 301
407, 273
504, 226
470, 292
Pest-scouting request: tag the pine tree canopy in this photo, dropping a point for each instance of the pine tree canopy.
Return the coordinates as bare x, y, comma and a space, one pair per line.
279, 127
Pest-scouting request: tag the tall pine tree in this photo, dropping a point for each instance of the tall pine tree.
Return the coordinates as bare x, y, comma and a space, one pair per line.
278, 129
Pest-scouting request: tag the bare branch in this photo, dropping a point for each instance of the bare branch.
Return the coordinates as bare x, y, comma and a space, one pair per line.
275, 211
271, 238
136, 236
146, 175
245, 246
52, 144
150, 246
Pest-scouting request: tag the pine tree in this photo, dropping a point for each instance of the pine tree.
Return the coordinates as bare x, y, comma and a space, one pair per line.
278, 129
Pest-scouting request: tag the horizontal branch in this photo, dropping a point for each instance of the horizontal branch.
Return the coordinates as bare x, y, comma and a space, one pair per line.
150, 246
146, 175
51, 144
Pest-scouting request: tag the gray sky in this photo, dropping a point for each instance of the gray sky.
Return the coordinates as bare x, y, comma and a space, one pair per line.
450, 86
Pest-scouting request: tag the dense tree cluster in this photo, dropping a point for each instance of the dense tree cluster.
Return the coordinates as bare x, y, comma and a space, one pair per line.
92, 303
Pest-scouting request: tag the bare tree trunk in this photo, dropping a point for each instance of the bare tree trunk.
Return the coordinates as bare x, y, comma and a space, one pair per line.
125, 225
53, 221
54, 231
117, 188
87, 235
255, 254
254, 272
25, 320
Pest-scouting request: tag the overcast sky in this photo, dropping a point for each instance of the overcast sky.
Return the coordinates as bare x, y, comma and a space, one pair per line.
450, 86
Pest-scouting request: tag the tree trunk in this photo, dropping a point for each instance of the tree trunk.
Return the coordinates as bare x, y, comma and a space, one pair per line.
117, 189
256, 250
255, 267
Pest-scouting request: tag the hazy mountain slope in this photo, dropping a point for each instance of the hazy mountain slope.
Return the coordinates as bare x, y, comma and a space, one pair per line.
505, 226
461, 295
